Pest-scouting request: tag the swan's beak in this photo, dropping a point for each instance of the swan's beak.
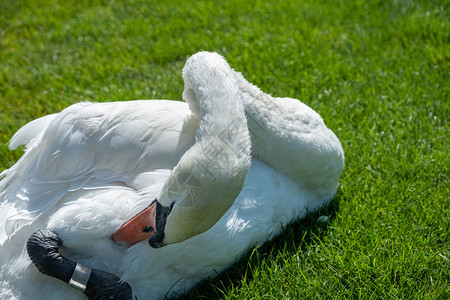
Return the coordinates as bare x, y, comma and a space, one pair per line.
142, 226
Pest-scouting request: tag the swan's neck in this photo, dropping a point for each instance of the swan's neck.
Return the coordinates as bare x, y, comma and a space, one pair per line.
212, 172
293, 139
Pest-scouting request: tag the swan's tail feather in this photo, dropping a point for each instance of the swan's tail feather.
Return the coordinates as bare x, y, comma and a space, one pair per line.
26, 134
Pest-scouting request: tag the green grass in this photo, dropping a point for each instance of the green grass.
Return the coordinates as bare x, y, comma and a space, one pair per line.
377, 72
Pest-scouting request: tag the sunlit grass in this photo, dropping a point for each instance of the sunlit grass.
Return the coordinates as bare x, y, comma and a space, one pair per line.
377, 72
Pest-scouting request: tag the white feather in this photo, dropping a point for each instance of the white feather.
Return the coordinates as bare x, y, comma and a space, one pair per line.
91, 167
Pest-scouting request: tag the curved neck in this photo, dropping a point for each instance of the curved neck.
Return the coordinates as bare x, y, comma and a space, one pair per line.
212, 172
293, 139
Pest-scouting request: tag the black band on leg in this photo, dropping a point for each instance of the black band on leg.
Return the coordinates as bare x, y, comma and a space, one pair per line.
42, 248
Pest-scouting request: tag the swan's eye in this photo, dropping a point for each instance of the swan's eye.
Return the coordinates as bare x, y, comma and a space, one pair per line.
148, 229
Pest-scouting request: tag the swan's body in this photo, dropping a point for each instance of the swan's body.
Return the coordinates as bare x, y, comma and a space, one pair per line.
91, 167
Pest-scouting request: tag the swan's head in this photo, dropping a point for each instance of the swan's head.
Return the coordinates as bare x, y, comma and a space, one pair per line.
149, 224
211, 174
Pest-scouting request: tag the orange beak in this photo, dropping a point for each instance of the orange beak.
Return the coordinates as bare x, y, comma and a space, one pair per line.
142, 226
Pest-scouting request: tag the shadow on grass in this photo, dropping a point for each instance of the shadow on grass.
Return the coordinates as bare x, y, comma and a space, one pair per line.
296, 237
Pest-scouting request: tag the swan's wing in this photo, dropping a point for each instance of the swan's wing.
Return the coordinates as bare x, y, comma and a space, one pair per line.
90, 145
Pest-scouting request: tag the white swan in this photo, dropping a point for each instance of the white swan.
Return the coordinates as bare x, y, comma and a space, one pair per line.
91, 167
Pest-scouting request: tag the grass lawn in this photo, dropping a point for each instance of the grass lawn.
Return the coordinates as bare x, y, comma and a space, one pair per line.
377, 72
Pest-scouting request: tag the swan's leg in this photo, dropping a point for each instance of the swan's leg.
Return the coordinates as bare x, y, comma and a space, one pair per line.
293, 139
